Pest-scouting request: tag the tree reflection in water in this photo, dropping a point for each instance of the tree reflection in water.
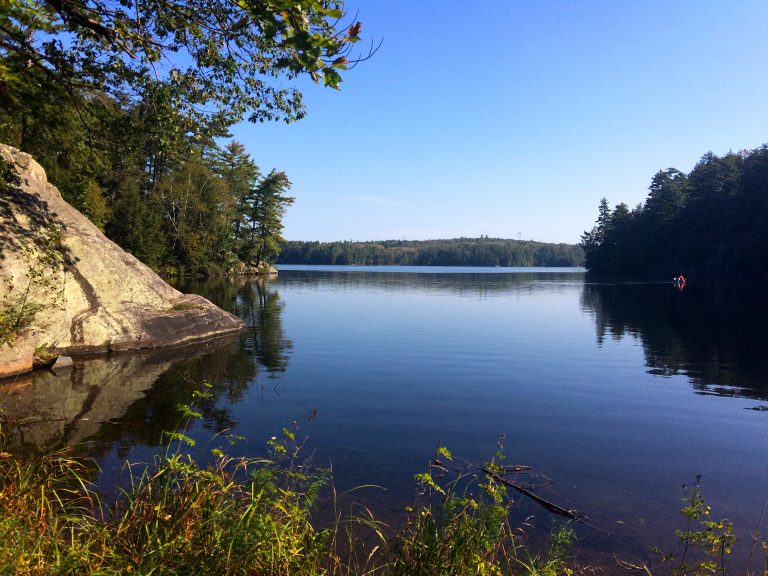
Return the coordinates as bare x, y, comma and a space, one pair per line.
714, 334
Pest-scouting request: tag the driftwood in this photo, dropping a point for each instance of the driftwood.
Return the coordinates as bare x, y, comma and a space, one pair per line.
552, 507
523, 469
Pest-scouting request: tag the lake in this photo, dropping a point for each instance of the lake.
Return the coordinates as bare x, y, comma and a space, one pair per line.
619, 393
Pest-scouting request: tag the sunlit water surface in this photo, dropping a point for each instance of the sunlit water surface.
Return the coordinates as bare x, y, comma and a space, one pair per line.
619, 393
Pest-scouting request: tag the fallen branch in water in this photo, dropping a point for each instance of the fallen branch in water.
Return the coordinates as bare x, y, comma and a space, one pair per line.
552, 507
516, 468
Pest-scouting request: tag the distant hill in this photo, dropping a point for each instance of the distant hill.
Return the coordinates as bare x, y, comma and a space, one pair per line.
481, 251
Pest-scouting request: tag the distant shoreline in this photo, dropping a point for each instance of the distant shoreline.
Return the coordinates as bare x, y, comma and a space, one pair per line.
426, 269
478, 252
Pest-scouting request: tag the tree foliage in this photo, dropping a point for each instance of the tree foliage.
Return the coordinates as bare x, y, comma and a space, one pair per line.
261, 220
212, 62
712, 221
124, 104
171, 199
482, 251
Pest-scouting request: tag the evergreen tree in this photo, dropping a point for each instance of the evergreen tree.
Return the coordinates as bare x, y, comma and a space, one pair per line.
137, 225
197, 207
264, 208
712, 221
241, 174
593, 242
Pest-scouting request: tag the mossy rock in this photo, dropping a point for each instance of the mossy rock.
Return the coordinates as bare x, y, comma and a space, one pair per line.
43, 357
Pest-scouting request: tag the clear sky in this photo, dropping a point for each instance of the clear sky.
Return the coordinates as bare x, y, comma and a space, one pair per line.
508, 117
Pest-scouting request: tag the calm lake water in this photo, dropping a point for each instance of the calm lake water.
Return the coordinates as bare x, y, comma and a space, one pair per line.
620, 393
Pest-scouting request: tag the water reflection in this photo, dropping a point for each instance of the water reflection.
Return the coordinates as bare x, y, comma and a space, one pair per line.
131, 399
47, 409
227, 373
483, 282
262, 310
714, 334
257, 302
397, 363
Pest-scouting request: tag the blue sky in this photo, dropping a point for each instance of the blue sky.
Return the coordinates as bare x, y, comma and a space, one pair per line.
506, 117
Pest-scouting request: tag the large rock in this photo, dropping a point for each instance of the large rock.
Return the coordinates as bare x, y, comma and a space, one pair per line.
98, 298
260, 269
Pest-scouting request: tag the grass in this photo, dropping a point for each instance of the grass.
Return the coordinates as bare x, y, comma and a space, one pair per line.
232, 516
259, 517
244, 516
43, 505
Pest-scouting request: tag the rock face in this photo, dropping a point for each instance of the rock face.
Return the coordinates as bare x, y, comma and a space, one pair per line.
87, 294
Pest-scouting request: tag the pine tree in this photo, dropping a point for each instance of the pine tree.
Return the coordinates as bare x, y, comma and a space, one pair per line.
265, 206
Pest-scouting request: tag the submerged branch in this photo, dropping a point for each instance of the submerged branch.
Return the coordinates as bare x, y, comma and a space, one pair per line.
552, 507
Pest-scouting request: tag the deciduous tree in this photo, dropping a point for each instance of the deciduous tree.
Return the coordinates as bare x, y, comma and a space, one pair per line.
215, 62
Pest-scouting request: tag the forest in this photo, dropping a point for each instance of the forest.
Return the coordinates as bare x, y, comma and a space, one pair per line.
481, 251
128, 111
710, 222
194, 208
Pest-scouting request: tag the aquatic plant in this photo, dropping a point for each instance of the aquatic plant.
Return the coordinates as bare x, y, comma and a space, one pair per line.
704, 543
249, 516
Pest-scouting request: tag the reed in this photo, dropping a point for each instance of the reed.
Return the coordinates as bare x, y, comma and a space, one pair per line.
47, 510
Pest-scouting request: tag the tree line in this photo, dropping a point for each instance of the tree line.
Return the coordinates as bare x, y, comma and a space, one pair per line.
187, 206
711, 221
128, 109
481, 251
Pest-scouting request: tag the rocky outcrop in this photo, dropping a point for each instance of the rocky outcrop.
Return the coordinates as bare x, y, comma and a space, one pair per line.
262, 269
86, 294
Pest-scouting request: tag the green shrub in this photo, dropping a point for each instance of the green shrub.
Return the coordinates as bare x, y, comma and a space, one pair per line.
462, 527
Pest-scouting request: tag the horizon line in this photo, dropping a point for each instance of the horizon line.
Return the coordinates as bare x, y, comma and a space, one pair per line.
435, 240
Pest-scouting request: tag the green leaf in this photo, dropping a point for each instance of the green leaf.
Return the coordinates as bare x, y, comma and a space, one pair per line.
331, 78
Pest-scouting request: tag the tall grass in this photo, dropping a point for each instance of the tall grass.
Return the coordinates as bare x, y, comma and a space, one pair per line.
245, 516
231, 516
235, 516
259, 517
44, 509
